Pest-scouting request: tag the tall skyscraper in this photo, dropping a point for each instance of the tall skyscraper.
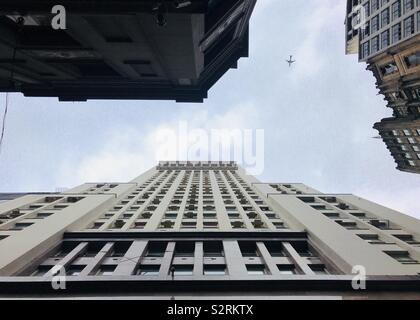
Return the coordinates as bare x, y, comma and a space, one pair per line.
205, 229
386, 35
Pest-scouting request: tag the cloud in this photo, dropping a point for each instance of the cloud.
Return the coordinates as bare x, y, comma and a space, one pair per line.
263, 5
311, 55
129, 151
397, 199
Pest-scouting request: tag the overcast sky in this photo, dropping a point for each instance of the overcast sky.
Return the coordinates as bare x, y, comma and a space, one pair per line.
317, 117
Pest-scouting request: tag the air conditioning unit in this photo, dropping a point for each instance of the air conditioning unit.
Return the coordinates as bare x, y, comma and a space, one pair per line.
15, 213
119, 223
258, 223
167, 224
146, 215
343, 206
252, 215
189, 215
237, 224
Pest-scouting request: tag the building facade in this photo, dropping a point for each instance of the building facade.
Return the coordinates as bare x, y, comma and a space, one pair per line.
386, 35
402, 138
203, 230
374, 26
115, 49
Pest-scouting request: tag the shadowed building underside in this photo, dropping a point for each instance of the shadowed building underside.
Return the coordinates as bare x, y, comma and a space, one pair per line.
117, 49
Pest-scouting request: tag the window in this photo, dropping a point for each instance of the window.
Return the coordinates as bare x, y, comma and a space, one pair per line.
274, 248
365, 49
408, 5
256, 270
184, 249
44, 214
304, 252
156, 249
209, 215
319, 269
413, 60
396, 10
366, 9
139, 225
369, 236
74, 270
396, 33
286, 269
279, 225
171, 215
418, 21
409, 26
385, 17
96, 225
40, 271
21, 225
411, 163
374, 24
215, 270
375, 44
210, 224
381, 224
106, 270
188, 225
389, 68
148, 270
407, 132
182, 270
213, 249
331, 214
375, 5
248, 249
408, 238
402, 257
120, 248
385, 39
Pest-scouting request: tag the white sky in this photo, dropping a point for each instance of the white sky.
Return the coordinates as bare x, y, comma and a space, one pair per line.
317, 117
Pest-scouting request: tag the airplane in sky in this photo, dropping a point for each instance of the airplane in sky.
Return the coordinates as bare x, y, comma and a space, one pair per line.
290, 61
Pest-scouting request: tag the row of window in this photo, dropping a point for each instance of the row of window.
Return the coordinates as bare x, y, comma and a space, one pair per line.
182, 258
29, 214
391, 36
352, 218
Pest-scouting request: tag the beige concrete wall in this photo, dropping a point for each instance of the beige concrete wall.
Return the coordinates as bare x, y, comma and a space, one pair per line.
22, 247
344, 248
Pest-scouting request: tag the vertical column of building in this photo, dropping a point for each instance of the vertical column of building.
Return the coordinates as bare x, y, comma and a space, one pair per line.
131, 258
119, 213
151, 200
234, 261
222, 216
156, 219
251, 201
241, 211
95, 263
182, 212
164, 271
200, 216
